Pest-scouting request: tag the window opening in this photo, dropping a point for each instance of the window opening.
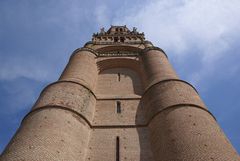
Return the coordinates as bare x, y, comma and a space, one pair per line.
115, 39
118, 107
119, 77
117, 149
121, 39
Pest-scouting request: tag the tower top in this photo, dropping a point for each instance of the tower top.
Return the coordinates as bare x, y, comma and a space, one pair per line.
118, 34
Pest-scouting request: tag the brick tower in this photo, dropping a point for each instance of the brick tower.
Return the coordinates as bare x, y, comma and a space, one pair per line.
119, 99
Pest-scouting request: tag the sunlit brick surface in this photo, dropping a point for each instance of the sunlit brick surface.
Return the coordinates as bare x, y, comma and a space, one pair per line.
119, 99
70, 95
49, 134
131, 113
82, 69
188, 133
119, 82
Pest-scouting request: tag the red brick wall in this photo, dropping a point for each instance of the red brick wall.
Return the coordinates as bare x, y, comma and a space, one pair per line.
118, 82
108, 124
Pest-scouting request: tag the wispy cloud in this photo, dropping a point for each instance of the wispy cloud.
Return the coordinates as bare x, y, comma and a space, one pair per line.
37, 40
34, 69
207, 29
102, 15
200, 37
15, 95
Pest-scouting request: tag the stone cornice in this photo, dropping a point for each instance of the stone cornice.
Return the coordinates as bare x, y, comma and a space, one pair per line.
118, 53
116, 43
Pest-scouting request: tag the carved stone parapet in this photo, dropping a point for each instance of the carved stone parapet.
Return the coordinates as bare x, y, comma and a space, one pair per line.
118, 53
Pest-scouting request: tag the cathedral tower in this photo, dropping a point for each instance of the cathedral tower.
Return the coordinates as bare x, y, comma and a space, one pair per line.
119, 99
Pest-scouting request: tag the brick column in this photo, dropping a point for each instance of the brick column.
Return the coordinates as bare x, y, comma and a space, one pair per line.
181, 127
58, 126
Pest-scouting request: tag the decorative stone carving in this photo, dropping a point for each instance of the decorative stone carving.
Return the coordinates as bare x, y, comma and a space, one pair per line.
118, 34
118, 53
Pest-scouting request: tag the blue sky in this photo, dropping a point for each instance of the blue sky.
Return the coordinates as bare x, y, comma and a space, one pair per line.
201, 39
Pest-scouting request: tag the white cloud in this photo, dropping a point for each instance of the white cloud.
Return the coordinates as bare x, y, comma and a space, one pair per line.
12, 68
21, 96
181, 27
40, 35
208, 27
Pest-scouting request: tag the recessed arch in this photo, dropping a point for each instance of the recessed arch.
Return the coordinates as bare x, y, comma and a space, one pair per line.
117, 62
124, 74
119, 82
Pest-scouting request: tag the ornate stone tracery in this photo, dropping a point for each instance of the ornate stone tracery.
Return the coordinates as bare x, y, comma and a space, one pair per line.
118, 34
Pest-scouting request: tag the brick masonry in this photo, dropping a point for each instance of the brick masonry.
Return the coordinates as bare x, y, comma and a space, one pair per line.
119, 99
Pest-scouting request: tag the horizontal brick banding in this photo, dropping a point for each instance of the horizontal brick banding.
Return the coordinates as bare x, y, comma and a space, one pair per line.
68, 81
58, 107
113, 126
169, 93
186, 133
82, 117
179, 106
118, 126
154, 48
157, 67
167, 80
70, 95
118, 98
49, 134
81, 68
84, 49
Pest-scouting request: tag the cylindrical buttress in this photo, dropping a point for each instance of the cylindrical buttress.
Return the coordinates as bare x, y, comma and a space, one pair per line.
181, 127
81, 68
156, 66
58, 127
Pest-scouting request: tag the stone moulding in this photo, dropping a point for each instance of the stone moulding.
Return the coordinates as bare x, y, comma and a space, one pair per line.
117, 53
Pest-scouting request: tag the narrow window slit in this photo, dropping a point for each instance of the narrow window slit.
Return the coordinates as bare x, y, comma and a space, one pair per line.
118, 107
117, 149
119, 77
